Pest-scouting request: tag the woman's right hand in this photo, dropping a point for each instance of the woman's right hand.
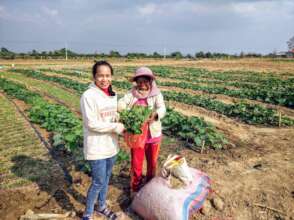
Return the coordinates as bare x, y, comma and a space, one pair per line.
120, 128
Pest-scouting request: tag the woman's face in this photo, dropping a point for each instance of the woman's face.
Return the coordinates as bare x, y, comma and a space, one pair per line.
103, 77
143, 83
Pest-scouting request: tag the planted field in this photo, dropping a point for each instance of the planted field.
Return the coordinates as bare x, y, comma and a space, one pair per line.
226, 139
45, 89
24, 159
55, 117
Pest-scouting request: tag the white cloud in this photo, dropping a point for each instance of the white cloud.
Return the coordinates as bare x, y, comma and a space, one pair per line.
147, 9
263, 8
13, 16
245, 8
50, 12
3, 12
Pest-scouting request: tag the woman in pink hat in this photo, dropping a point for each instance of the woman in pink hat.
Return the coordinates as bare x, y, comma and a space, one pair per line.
145, 93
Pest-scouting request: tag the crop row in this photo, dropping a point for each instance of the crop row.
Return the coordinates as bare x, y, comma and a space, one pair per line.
193, 130
192, 74
69, 72
68, 83
241, 79
278, 95
248, 113
68, 128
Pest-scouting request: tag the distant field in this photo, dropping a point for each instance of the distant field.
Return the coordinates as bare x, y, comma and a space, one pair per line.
253, 64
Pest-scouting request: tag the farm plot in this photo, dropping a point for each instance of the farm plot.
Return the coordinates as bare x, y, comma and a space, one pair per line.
256, 138
252, 114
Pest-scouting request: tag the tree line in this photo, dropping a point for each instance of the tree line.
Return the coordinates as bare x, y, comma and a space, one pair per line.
62, 53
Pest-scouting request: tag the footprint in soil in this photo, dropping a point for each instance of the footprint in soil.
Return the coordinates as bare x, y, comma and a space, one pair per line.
258, 166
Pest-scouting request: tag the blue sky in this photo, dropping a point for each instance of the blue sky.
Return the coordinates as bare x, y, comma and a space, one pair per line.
147, 26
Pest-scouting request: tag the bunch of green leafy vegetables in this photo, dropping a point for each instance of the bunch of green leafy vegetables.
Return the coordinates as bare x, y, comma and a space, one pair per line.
134, 118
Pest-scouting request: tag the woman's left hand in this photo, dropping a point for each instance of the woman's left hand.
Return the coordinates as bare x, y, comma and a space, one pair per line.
153, 117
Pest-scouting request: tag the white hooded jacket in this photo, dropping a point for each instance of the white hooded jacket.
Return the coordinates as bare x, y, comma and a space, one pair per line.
100, 129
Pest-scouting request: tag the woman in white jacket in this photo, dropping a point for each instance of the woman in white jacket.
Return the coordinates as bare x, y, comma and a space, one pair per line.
99, 110
145, 93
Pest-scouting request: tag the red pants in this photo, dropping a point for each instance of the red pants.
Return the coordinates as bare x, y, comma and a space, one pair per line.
151, 151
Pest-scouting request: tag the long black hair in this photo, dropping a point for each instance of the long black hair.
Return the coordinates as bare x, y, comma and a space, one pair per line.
94, 72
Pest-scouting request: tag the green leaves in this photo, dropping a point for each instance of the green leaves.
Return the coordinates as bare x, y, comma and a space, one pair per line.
58, 140
134, 118
18, 91
248, 113
251, 85
52, 117
68, 83
193, 130
58, 119
122, 156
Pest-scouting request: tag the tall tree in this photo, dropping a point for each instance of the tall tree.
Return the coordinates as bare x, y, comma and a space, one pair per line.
114, 53
290, 43
176, 54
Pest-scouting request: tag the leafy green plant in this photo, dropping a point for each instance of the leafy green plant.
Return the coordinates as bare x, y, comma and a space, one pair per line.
193, 130
53, 117
134, 118
280, 95
60, 120
68, 83
18, 91
122, 156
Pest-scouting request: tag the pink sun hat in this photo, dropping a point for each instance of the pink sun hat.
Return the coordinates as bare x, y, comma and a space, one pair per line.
143, 71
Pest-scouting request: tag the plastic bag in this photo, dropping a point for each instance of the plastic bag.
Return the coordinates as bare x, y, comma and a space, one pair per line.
137, 140
156, 200
177, 166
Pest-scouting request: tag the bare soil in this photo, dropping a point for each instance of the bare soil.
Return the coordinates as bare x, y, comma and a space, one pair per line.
257, 169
